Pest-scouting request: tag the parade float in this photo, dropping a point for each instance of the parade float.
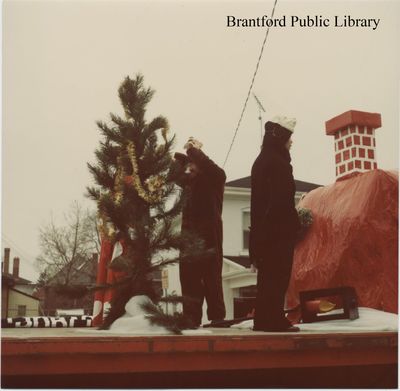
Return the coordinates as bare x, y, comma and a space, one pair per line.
351, 242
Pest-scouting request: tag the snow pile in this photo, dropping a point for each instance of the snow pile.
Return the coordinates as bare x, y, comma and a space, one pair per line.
369, 320
135, 321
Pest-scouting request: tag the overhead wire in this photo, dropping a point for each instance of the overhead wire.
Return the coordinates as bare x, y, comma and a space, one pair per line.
250, 88
24, 255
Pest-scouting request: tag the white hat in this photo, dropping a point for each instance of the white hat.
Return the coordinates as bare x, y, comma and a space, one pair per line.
285, 122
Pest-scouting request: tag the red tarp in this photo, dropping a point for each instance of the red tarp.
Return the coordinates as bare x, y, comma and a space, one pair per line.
353, 240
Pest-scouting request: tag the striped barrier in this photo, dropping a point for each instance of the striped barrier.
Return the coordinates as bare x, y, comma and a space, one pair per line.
47, 321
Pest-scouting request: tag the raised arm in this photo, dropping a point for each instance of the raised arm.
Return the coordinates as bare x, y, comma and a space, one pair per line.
205, 164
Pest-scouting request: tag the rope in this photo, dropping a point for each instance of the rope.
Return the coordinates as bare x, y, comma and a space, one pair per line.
250, 88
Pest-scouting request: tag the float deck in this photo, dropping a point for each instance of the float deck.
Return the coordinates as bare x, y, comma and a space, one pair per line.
230, 358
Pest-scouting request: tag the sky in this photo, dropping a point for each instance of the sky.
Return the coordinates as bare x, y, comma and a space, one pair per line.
63, 62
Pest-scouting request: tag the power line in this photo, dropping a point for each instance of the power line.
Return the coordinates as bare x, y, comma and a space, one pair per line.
15, 248
250, 88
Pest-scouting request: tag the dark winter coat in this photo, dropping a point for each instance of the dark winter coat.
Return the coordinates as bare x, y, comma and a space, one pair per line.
273, 214
203, 209
201, 216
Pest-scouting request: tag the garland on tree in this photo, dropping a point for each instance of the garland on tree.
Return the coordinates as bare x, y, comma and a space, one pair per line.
135, 176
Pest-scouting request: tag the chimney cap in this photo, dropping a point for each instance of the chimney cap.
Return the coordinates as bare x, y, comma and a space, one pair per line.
352, 117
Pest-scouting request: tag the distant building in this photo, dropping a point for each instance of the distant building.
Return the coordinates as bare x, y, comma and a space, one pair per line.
17, 298
53, 302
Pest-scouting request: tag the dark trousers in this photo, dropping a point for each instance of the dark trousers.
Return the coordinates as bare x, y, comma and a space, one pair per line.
273, 278
201, 279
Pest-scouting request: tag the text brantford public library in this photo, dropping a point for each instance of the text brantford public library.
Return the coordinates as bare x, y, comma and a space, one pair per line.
345, 21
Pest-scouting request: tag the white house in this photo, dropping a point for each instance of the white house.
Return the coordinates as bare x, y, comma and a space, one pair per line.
238, 280
16, 292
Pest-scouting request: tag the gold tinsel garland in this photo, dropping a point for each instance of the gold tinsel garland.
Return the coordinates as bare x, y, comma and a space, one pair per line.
106, 227
118, 184
154, 185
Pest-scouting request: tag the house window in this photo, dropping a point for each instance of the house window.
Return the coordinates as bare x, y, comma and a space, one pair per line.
245, 228
21, 310
156, 281
248, 291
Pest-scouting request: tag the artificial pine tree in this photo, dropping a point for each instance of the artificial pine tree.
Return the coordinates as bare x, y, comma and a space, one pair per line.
138, 202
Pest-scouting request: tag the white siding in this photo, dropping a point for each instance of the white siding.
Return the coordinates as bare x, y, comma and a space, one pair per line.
233, 223
16, 299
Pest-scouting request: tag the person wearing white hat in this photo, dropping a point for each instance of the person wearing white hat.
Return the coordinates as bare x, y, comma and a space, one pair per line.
274, 225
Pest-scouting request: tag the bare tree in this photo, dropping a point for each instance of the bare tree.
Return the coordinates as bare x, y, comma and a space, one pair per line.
93, 231
65, 248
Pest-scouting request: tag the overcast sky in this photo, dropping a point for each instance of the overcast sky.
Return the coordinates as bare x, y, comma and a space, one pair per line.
63, 62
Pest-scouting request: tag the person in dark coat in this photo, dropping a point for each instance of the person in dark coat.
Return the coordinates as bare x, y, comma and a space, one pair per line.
204, 188
274, 224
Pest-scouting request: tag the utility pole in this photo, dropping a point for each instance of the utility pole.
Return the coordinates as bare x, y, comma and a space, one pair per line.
260, 108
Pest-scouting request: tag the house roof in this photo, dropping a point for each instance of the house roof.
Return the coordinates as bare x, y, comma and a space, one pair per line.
245, 183
18, 280
82, 273
240, 260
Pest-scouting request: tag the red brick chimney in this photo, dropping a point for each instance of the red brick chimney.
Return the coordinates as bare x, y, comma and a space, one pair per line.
355, 147
6, 266
16, 267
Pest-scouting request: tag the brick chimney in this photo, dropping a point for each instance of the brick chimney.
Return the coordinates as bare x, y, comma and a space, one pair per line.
6, 265
355, 147
15, 273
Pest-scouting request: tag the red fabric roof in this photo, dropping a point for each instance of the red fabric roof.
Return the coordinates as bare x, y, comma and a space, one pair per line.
353, 240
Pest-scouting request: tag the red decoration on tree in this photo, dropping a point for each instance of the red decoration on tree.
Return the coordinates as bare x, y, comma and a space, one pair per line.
105, 257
